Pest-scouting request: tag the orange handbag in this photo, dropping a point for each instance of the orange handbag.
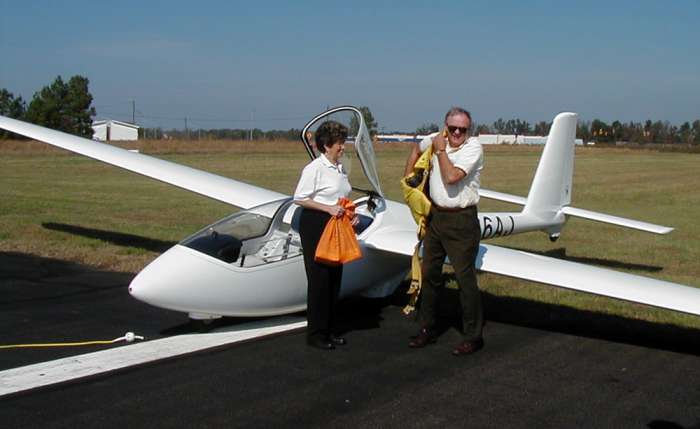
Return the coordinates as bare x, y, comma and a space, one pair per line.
338, 244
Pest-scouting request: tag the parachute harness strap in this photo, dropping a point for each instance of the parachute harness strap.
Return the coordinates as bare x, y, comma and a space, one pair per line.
414, 187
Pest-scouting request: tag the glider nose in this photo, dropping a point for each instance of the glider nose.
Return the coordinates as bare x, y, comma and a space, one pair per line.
184, 279
142, 289
161, 281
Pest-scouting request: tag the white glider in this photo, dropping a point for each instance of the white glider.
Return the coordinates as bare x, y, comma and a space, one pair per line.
250, 263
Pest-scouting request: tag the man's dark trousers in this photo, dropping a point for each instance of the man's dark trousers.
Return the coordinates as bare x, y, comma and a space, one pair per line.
454, 233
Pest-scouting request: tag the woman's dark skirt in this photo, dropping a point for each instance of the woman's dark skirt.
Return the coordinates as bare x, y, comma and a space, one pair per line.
323, 280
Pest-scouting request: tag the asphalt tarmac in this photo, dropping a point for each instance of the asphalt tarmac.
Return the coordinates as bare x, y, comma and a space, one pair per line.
542, 366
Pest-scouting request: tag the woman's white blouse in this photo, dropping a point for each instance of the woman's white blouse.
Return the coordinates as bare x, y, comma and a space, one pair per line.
322, 182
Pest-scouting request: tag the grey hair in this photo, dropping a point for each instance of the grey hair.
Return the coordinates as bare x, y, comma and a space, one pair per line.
459, 111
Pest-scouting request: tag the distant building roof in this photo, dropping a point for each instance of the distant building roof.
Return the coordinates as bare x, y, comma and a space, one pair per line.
114, 122
109, 130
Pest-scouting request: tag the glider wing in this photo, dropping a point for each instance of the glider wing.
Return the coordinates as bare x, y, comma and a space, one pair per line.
220, 188
558, 272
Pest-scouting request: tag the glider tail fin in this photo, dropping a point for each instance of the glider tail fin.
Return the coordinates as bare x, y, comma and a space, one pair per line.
549, 199
551, 187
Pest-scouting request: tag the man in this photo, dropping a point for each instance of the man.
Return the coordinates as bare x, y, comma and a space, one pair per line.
453, 229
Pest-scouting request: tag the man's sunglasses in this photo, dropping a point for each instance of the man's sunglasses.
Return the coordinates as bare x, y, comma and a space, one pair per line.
453, 130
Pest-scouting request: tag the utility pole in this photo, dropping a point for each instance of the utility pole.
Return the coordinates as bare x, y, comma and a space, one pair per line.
187, 131
133, 112
252, 116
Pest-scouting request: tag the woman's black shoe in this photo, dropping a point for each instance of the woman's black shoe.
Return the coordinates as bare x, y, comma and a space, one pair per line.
320, 343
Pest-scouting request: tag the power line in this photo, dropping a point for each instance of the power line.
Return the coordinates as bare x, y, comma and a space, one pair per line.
108, 109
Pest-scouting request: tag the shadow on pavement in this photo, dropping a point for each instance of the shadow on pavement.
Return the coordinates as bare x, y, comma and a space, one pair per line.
568, 320
48, 300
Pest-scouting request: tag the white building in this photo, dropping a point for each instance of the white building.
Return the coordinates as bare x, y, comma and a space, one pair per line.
399, 137
110, 130
516, 139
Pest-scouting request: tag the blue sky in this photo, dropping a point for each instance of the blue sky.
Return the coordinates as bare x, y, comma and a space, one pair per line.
219, 63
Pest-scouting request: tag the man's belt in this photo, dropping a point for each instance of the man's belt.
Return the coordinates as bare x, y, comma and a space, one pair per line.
451, 209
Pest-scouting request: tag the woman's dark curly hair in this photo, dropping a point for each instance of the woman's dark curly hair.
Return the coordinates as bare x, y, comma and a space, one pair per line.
329, 133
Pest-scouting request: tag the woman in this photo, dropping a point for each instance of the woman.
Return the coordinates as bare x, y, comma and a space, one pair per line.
323, 181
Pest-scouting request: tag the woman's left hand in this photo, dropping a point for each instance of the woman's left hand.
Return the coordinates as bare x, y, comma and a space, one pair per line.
355, 220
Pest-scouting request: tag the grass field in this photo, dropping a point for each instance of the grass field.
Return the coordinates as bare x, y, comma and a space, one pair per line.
58, 205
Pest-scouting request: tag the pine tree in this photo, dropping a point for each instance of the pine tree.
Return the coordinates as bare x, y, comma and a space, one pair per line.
12, 107
64, 106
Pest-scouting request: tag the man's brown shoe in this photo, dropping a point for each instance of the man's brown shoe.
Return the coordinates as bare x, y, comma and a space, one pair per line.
337, 341
468, 347
423, 338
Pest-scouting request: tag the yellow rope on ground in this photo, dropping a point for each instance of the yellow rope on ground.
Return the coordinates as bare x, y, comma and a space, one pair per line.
128, 337
85, 343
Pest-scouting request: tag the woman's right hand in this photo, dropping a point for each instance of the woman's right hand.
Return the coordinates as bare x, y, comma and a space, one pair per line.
336, 210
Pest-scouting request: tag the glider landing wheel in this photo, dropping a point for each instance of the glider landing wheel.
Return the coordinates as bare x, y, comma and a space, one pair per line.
203, 324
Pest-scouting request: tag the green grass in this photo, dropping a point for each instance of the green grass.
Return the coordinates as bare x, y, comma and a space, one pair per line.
40, 186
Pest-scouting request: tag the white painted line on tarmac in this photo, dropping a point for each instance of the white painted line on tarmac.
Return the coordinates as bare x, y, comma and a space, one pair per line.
86, 365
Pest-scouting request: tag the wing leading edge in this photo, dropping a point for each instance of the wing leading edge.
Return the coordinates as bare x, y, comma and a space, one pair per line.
586, 278
557, 272
211, 185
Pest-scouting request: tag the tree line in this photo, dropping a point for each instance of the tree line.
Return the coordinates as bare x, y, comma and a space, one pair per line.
600, 131
67, 106
596, 130
63, 106
219, 134
252, 134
